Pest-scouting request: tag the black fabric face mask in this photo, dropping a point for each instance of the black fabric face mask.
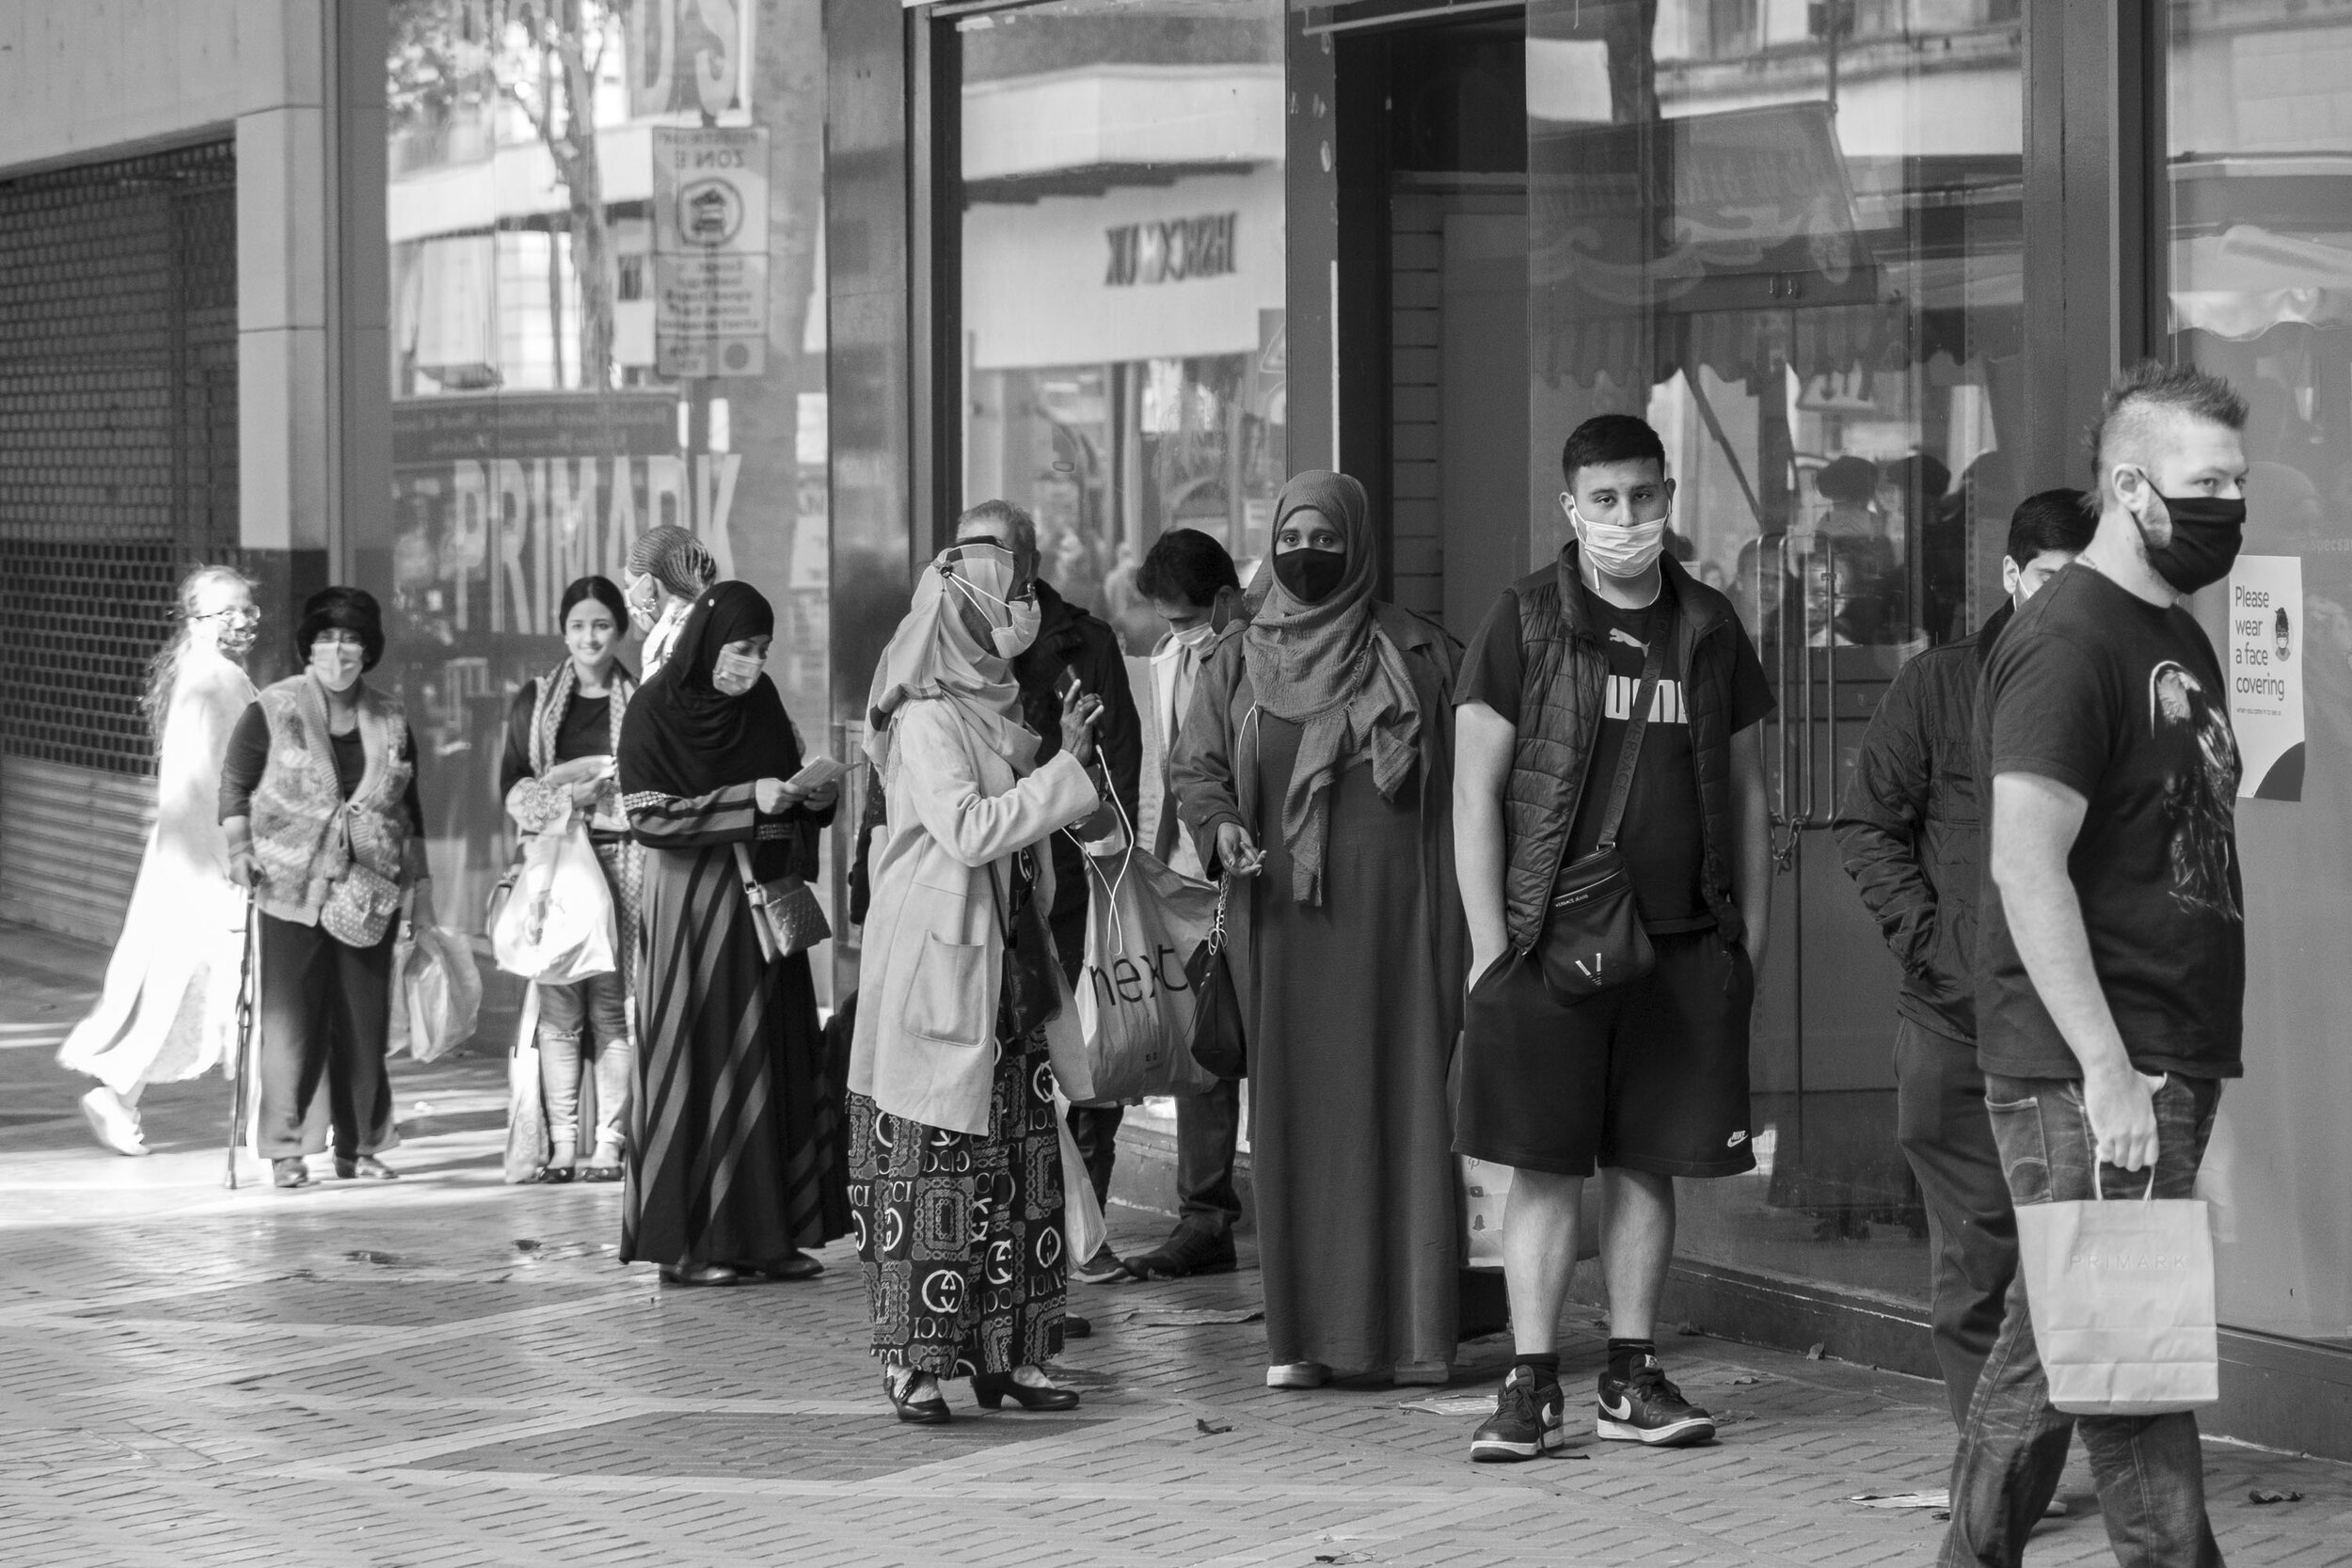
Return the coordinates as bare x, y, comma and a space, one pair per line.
1310, 574
2206, 533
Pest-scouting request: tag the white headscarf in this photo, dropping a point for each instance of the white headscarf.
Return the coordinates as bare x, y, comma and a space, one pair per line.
933, 653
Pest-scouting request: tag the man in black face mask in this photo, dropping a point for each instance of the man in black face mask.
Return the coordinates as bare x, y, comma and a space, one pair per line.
2111, 953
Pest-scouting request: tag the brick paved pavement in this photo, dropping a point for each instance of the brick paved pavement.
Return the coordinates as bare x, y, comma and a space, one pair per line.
448, 1371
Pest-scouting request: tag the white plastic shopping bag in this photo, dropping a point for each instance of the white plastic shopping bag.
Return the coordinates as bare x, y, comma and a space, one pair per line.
556, 928
1083, 1229
527, 1144
1134, 1003
2123, 1303
437, 992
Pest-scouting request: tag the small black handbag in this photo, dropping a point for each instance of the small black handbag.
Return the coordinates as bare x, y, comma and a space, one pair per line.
1593, 936
1031, 999
1219, 1039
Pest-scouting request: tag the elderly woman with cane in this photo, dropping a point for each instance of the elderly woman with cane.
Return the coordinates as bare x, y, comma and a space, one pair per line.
318, 797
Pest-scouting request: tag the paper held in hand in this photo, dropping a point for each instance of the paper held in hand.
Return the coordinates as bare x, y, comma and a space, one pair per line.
817, 773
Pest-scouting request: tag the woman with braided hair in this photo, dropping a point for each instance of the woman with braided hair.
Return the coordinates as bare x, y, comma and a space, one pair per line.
561, 738
668, 570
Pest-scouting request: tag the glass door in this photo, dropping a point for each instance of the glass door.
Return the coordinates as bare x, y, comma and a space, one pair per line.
1794, 246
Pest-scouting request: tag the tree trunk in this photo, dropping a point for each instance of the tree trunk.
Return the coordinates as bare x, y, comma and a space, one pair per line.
582, 174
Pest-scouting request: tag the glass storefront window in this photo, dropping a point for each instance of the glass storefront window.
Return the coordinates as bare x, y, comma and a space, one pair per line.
1795, 249
2259, 251
586, 344
1122, 280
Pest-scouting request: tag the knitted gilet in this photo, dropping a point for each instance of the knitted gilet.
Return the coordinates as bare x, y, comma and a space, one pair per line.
305, 835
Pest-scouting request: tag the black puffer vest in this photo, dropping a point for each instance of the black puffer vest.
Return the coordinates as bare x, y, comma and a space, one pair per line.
1566, 672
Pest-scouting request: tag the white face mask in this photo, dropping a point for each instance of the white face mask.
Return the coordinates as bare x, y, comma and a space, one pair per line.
1012, 641
732, 674
1195, 638
1622, 552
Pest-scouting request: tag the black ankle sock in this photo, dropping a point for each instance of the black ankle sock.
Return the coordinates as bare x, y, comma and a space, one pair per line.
1625, 1355
1547, 1368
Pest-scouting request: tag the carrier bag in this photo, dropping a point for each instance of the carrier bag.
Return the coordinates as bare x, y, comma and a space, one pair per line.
556, 928
437, 992
2123, 1303
1136, 1003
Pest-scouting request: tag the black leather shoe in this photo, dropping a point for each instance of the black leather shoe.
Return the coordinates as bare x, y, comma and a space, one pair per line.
1188, 1251
702, 1273
366, 1167
290, 1172
990, 1388
797, 1265
931, 1412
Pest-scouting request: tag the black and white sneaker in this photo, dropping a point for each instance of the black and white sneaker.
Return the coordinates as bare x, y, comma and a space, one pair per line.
1646, 1408
1527, 1421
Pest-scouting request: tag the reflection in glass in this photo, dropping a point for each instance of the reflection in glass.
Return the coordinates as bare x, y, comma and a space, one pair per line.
1797, 254
1122, 280
2259, 117
535, 436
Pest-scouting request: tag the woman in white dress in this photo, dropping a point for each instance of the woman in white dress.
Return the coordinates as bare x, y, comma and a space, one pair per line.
169, 1009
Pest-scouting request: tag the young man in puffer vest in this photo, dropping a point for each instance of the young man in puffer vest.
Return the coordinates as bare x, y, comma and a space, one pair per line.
1647, 1079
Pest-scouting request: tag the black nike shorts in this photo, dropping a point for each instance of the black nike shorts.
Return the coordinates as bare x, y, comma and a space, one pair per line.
1652, 1076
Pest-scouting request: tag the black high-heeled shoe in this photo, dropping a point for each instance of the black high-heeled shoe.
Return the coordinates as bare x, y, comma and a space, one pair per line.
931, 1412
990, 1388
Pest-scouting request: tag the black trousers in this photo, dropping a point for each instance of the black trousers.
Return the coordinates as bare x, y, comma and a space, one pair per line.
324, 1013
1972, 1231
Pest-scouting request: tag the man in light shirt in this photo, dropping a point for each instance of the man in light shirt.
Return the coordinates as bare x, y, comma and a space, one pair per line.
1190, 583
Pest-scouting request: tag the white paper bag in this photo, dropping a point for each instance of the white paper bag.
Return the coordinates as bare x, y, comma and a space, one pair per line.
2121, 1296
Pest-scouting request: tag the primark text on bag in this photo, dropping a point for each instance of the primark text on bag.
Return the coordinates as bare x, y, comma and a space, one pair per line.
2121, 1295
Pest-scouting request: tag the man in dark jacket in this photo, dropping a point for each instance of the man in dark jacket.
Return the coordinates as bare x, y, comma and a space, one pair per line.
1070, 642
1912, 828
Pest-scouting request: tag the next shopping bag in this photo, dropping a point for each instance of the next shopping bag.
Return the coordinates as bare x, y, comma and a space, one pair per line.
2121, 1295
1134, 1003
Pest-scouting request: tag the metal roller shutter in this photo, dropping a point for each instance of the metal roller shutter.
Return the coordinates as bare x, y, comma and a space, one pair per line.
118, 471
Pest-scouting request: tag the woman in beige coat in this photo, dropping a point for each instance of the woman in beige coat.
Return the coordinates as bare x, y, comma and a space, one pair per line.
955, 1154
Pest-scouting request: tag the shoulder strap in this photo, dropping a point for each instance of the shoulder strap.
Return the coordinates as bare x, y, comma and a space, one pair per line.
1653, 666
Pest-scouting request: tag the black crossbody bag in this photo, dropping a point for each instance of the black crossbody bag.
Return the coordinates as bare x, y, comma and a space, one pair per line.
1593, 938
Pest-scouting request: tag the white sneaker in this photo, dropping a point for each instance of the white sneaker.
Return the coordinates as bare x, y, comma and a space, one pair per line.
1297, 1375
114, 1123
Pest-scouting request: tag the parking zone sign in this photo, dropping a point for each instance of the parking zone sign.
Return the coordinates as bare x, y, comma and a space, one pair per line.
710, 250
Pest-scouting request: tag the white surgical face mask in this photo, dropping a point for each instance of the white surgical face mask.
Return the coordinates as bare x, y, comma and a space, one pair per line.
732, 674
1195, 638
1622, 552
1012, 641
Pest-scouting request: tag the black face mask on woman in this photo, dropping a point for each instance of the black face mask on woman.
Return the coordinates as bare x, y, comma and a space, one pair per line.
1310, 574
2206, 533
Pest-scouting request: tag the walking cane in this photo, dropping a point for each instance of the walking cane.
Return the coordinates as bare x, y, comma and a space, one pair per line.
246, 986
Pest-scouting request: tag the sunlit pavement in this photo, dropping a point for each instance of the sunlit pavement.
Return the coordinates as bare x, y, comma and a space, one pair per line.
445, 1369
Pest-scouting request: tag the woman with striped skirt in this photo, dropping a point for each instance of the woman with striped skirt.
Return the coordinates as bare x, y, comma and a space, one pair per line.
734, 1130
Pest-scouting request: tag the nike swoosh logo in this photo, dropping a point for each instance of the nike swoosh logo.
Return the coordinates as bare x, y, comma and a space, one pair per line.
1621, 1411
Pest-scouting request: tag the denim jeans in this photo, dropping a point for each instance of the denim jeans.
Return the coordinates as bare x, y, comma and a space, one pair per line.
1972, 1231
2149, 1470
570, 1016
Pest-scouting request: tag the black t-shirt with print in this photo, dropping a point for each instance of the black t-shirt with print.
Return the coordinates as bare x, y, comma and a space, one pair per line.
2124, 702
1660, 833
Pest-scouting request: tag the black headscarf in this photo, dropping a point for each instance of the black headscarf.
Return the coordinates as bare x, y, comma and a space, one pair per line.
684, 737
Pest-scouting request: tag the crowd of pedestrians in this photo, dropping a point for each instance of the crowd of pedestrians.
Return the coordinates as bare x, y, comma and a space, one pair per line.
1505, 902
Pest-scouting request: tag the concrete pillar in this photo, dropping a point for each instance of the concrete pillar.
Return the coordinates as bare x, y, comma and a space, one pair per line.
314, 439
